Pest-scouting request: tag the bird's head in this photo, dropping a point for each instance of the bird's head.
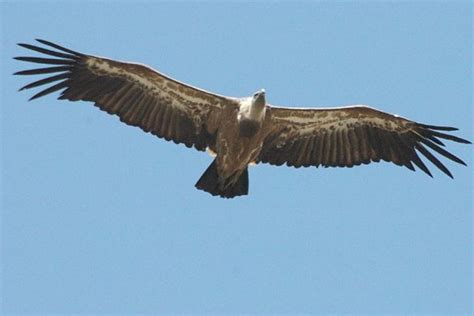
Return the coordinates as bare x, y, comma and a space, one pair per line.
259, 98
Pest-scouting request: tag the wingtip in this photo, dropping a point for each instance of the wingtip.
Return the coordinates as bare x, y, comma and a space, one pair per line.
43, 41
22, 58
427, 171
36, 96
22, 44
437, 127
461, 140
449, 174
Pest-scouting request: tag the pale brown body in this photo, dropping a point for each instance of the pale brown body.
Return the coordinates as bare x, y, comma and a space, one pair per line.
236, 152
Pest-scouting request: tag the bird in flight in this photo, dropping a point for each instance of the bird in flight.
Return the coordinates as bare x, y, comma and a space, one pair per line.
238, 131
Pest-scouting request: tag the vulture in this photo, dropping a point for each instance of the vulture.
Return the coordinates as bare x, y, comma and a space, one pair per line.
237, 131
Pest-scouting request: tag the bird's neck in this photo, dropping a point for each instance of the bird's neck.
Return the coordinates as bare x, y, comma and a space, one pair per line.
257, 111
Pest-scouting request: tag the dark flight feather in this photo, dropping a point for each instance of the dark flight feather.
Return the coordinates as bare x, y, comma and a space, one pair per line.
356, 143
119, 94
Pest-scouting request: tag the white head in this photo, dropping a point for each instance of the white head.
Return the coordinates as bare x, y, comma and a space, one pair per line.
258, 99
253, 107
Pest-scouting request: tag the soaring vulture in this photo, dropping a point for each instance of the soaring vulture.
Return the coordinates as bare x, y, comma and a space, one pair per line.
240, 131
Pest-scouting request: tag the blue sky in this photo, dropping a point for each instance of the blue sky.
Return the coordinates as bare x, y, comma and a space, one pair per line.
98, 217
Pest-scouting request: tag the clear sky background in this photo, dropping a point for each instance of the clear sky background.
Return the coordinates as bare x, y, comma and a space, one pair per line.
99, 217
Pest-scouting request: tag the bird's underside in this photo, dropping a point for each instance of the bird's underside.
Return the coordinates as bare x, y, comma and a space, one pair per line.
239, 130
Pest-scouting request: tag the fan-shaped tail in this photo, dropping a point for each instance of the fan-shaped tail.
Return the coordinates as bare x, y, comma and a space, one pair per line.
231, 187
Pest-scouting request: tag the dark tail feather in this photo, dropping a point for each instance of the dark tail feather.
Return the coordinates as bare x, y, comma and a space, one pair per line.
209, 182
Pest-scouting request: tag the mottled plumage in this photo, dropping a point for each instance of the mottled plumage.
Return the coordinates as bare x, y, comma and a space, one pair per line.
239, 130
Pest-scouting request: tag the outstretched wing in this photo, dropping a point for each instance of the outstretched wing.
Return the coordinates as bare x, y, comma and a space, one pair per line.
139, 95
350, 136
